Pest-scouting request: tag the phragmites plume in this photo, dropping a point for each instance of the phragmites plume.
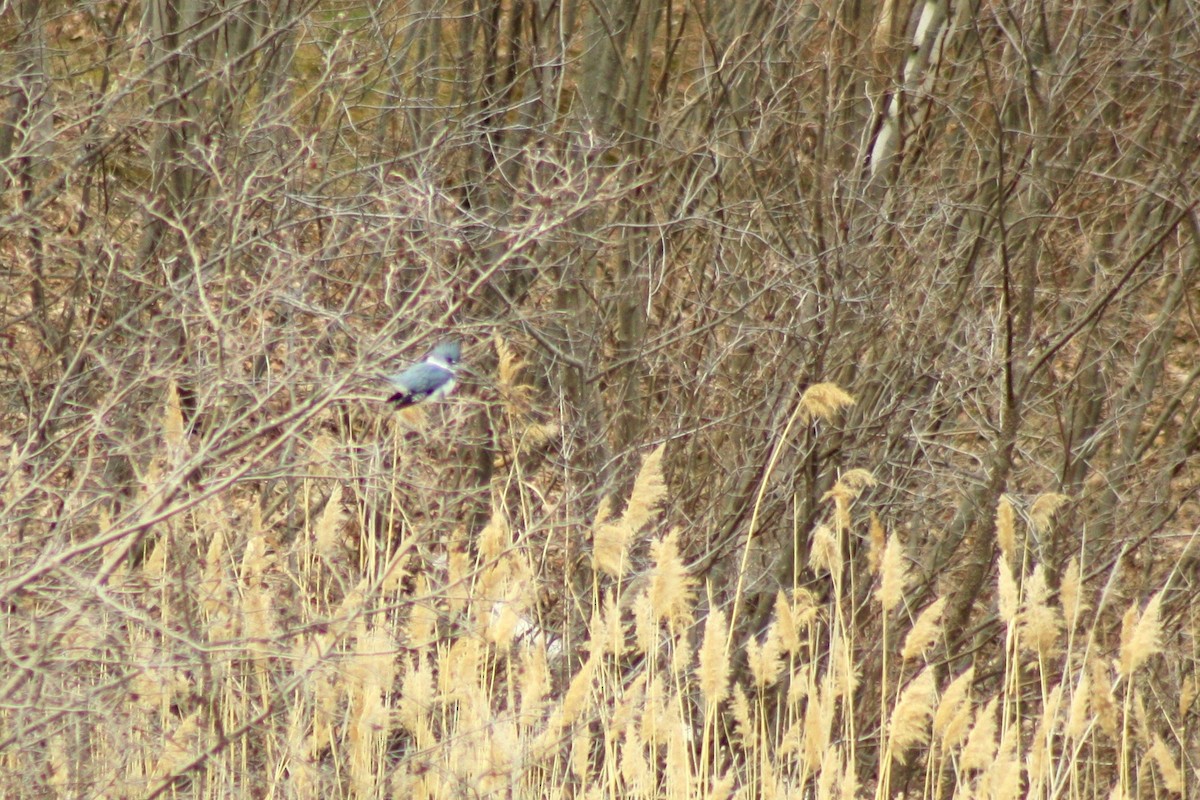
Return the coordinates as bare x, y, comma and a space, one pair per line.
954, 711
924, 631
1006, 529
1143, 638
329, 526
1165, 762
980, 748
910, 719
496, 537
893, 577
610, 540
764, 660
1068, 593
507, 366
1187, 694
876, 540
845, 492
713, 671
173, 420
1040, 624
648, 490
670, 590
1007, 592
824, 554
823, 401
1042, 512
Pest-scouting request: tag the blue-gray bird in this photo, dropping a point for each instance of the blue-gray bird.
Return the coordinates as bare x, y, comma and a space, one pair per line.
430, 379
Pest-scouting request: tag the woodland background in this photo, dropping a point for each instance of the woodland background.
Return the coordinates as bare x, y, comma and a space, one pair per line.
831, 428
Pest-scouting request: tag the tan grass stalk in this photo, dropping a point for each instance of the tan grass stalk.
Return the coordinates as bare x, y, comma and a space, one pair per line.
59, 777
828, 773
1078, 719
722, 788
173, 424
325, 702
508, 365
844, 492
804, 408
1042, 512
459, 668
1142, 640
459, 565
786, 624
818, 723
611, 540
645, 624
606, 633
801, 686
578, 698
849, 788
649, 489
1002, 778
1040, 625
681, 654
954, 711
506, 621
373, 662
909, 724
980, 749
876, 541
857, 479
1006, 530
824, 554
629, 706
534, 683
924, 631
180, 747
329, 526
500, 759
764, 661
844, 672
581, 754
713, 670
367, 733
635, 770
155, 565
1171, 776
894, 577
671, 586
1007, 593
1069, 594
823, 401
1101, 701
604, 511
215, 588
653, 711
1141, 720
495, 539
1187, 694
415, 703
680, 783
421, 628
610, 548
740, 710
1040, 756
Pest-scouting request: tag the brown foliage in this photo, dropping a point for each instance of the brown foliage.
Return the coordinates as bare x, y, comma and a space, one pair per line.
894, 304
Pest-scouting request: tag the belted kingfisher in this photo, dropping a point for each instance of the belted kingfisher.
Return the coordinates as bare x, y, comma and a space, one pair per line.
430, 379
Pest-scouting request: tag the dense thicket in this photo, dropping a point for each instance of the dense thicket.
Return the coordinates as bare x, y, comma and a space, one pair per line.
968, 230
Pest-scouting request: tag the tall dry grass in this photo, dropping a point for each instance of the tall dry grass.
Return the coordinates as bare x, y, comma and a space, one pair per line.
403, 661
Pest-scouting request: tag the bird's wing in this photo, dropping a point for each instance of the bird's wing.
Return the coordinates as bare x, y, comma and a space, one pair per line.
422, 378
